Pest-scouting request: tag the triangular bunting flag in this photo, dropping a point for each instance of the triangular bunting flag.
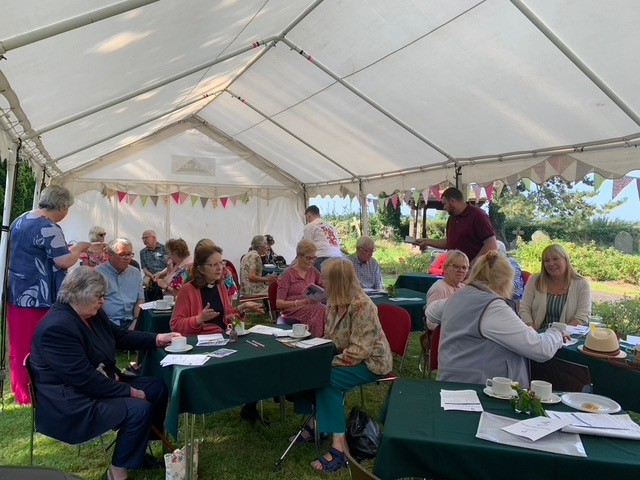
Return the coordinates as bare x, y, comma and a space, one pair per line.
224, 201
560, 162
132, 198
244, 198
477, 191
176, 197
582, 169
497, 187
154, 199
183, 197
527, 183
194, 200
598, 180
144, 199
416, 197
394, 201
203, 201
214, 202
425, 195
122, 196
234, 200
638, 185
619, 184
488, 191
435, 191
539, 170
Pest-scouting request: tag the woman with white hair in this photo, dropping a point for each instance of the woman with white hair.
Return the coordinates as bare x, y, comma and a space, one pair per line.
455, 270
252, 283
38, 261
81, 393
482, 336
557, 294
97, 254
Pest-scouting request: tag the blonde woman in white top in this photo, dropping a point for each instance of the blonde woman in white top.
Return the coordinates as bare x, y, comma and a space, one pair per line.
455, 270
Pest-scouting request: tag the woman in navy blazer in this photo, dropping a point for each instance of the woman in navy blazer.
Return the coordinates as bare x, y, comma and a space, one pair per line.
80, 391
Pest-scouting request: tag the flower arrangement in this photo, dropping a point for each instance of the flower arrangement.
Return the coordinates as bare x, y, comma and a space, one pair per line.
526, 402
392, 290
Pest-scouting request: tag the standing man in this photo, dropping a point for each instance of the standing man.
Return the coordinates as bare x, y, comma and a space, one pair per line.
323, 235
367, 268
154, 265
125, 294
469, 228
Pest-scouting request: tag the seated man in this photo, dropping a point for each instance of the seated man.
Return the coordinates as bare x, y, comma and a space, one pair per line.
125, 294
153, 260
80, 391
367, 268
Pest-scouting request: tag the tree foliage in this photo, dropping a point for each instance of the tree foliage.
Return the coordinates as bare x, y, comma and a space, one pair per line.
23, 192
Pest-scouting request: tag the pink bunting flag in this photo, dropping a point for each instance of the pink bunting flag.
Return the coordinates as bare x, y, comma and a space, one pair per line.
224, 201
122, 196
435, 191
395, 201
176, 197
488, 191
132, 198
425, 195
234, 200
183, 197
619, 184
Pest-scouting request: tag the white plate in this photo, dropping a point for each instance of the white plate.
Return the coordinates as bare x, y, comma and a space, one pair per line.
554, 399
577, 401
300, 336
181, 350
489, 391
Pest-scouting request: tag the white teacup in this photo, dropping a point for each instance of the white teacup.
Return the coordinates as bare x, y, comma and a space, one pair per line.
542, 389
299, 330
179, 343
168, 299
500, 386
240, 328
162, 304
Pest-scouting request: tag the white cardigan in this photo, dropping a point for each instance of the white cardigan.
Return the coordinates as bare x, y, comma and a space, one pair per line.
533, 307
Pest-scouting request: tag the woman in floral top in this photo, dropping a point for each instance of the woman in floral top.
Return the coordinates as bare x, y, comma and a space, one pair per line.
180, 273
252, 283
363, 353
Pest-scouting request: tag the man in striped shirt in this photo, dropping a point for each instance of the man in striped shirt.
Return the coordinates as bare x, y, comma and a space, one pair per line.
367, 268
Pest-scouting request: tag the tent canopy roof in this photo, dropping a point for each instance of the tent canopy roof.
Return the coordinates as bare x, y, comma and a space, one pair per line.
325, 96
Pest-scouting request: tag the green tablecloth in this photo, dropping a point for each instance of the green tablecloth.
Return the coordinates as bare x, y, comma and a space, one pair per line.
610, 378
420, 282
414, 307
249, 374
154, 321
422, 440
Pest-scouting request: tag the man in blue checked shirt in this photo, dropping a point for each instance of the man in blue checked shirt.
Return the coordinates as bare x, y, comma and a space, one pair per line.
367, 268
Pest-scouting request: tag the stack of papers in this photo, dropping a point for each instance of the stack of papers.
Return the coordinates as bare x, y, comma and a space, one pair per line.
537, 427
599, 424
264, 330
465, 400
189, 360
212, 340
223, 352
312, 342
577, 329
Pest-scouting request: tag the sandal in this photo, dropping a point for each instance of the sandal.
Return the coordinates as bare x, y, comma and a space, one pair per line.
338, 461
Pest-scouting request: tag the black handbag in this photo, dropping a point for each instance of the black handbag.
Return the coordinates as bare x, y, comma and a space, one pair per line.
363, 435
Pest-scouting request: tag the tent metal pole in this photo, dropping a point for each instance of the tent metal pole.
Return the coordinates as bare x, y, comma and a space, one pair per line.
37, 188
362, 96
70, 24
364, 211
570, 54
285, 129
12, 162
65, 121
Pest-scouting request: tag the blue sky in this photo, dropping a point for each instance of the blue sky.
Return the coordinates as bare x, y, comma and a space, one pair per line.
629, 211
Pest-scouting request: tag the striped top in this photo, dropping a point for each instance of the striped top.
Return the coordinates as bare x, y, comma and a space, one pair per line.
555, 305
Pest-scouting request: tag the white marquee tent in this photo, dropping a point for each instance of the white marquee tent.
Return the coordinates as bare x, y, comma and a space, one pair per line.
261, 104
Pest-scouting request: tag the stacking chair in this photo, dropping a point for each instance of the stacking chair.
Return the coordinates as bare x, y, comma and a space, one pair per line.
273, 293
565, 376
429, 343
236, 279
357, 471
34, 405
396, 324
525, 276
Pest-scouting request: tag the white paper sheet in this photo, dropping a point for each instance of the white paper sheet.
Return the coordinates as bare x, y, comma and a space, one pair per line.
490, 429
632, 340
607, 426
464, 400
577, 329
212, 340
405, 299
189, 360
264, 330
223, 352
312, 342
570, 342
537, 427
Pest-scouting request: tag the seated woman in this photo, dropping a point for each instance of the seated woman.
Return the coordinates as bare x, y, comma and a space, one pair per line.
80, 392
272, 257
481, 336
180, 272
97, 254
295, 305
455, 270
363, 354
203, 305
252, 283
557, 294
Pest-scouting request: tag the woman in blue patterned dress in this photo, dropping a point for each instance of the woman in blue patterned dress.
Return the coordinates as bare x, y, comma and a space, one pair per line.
39, 259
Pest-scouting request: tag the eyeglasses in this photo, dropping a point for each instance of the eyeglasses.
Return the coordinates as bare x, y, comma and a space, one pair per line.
215, 265
125, 255
148, 237
367, 250
102, 234
310, 258
460, 268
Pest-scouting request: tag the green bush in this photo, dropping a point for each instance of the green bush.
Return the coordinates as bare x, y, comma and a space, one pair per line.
623, 316
589, 260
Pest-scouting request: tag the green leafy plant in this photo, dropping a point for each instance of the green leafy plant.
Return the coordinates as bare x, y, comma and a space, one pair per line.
526, 402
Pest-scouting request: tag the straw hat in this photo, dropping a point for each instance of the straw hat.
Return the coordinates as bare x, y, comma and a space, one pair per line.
603, 343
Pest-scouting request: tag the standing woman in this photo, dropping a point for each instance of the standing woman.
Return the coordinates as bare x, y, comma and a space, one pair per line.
363, 354
291, 298
557, 294
92, 258
455, 270
39, 259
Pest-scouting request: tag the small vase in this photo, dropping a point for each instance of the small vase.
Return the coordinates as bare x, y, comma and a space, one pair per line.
521, 404
233, 333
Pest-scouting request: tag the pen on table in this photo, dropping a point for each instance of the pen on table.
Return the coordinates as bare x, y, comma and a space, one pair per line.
250, 342
258, 344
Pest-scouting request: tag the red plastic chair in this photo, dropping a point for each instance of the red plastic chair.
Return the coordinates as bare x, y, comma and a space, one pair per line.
433, 349
525, 276
236, 279
273, 293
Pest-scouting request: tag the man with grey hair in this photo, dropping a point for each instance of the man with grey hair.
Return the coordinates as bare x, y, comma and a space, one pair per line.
125, 294
367, 268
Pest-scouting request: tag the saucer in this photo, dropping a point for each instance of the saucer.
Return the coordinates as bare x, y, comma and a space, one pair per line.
185, 349
553, 399
243, 333
300, 336
489, 391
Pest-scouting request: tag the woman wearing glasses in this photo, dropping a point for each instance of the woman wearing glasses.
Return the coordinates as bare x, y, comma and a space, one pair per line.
97, 254
455, 270
291, 299
203, 305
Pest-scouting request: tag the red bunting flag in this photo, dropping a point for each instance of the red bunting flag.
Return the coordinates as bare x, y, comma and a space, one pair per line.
176, 197
224, 201
122, 196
